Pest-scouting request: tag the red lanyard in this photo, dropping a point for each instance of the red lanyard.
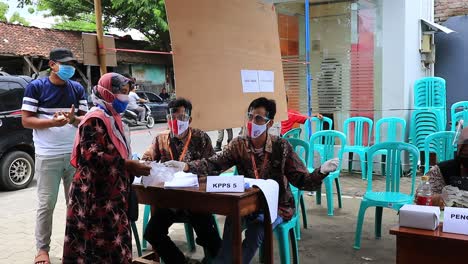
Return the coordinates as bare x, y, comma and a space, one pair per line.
184, 151
254, 164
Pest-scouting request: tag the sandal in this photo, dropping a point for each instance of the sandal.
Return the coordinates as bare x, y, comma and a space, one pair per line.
42, 257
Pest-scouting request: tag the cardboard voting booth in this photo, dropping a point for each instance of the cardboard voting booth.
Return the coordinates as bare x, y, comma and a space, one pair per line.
226, 53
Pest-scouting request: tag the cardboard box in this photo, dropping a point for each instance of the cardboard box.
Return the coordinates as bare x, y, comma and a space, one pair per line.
419, 216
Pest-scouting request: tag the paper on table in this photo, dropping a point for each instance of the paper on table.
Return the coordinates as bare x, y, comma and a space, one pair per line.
270, 189
250, 81
266, 81
159, 173
182, 179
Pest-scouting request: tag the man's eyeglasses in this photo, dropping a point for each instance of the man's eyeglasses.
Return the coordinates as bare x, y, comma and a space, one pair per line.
257, 119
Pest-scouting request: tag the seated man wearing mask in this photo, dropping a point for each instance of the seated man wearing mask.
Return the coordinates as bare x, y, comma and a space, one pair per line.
181, 143
449, 172
262, 156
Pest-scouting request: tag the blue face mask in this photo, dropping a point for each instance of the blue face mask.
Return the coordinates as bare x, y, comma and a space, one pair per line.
65, 72
119, 106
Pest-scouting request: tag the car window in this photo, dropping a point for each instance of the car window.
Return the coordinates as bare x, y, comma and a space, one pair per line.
154, 98
142, 95
11, 96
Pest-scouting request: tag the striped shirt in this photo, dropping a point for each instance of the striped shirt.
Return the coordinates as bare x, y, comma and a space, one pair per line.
45, 99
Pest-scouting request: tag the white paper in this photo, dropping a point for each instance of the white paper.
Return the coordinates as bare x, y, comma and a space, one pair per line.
266, 81
270, 189
225, 184
250, 81
159, 173
182, 179
456, 220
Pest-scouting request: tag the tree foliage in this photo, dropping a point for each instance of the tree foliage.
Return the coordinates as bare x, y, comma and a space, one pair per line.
15, 18
146, 16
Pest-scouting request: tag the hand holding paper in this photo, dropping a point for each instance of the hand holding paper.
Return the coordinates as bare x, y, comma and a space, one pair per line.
329, 166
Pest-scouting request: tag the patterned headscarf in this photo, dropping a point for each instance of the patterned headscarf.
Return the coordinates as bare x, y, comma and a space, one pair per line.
109, 85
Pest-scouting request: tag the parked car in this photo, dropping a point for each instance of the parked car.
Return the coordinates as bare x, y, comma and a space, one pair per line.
16, 143
157, 105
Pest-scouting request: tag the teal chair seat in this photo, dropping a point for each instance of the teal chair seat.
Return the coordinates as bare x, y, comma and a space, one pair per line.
391, 198
388, 197
328, 140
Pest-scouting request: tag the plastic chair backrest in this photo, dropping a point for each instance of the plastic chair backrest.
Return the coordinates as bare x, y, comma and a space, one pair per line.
358, 138
430, 92
459, 111
327, 139
393, 132
440, 143
423, 123
301, 147
393, 164
314, 124
293, 133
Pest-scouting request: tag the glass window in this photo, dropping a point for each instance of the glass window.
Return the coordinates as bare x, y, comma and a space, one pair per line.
154, 98
11, 96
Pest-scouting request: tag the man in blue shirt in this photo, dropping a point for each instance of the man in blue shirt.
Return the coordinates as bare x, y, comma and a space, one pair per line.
52, 107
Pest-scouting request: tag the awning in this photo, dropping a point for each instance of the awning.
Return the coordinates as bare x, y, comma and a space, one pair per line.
437, 27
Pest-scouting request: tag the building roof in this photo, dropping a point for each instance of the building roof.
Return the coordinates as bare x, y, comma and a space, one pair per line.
18, 40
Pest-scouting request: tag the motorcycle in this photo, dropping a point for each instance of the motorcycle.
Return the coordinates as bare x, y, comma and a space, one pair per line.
131, 117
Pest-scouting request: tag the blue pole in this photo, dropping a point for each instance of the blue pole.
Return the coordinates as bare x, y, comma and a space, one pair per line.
307, 59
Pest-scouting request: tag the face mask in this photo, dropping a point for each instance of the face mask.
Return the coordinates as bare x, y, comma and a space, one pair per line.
256, 130
178, 127
119, 106
65, 72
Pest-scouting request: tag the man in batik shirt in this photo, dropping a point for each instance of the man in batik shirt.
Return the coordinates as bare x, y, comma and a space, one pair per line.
262, 156
186, 144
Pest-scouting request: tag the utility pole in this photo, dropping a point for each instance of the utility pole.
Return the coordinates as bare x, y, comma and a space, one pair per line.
100, 36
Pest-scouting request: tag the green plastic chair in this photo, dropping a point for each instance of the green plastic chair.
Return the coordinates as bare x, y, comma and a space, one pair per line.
328, 139
440, 143
301, 146
389, 129
392, 197
357, 144
314, 124
459, 111
293, 133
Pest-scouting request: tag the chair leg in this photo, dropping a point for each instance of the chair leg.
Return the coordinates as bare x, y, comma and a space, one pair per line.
360, 220
378, 222
350, 161
318, 196
329, 192
137, 238
294, 245
338, 191
383, 164
304, 211
146, 216
283, 245
298, 230
261, 254
190, 237
364, 161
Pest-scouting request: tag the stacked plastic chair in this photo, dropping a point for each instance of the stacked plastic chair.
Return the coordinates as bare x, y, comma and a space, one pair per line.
423, 124
459, 111
430, 95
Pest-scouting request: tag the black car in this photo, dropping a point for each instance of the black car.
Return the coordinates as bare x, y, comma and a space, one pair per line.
157, 105
16, 143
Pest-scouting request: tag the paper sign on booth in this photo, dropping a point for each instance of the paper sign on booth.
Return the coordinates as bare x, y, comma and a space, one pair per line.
456, 220
250, 81
266, 81
225, 184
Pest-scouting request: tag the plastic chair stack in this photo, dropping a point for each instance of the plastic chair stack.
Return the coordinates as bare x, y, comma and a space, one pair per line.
459, 111
391, 198
430, 95
328, 138
440, 143
423, 124
357, 143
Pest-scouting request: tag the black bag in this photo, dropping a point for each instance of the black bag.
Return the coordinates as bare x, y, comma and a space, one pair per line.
461, 182
132, 213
